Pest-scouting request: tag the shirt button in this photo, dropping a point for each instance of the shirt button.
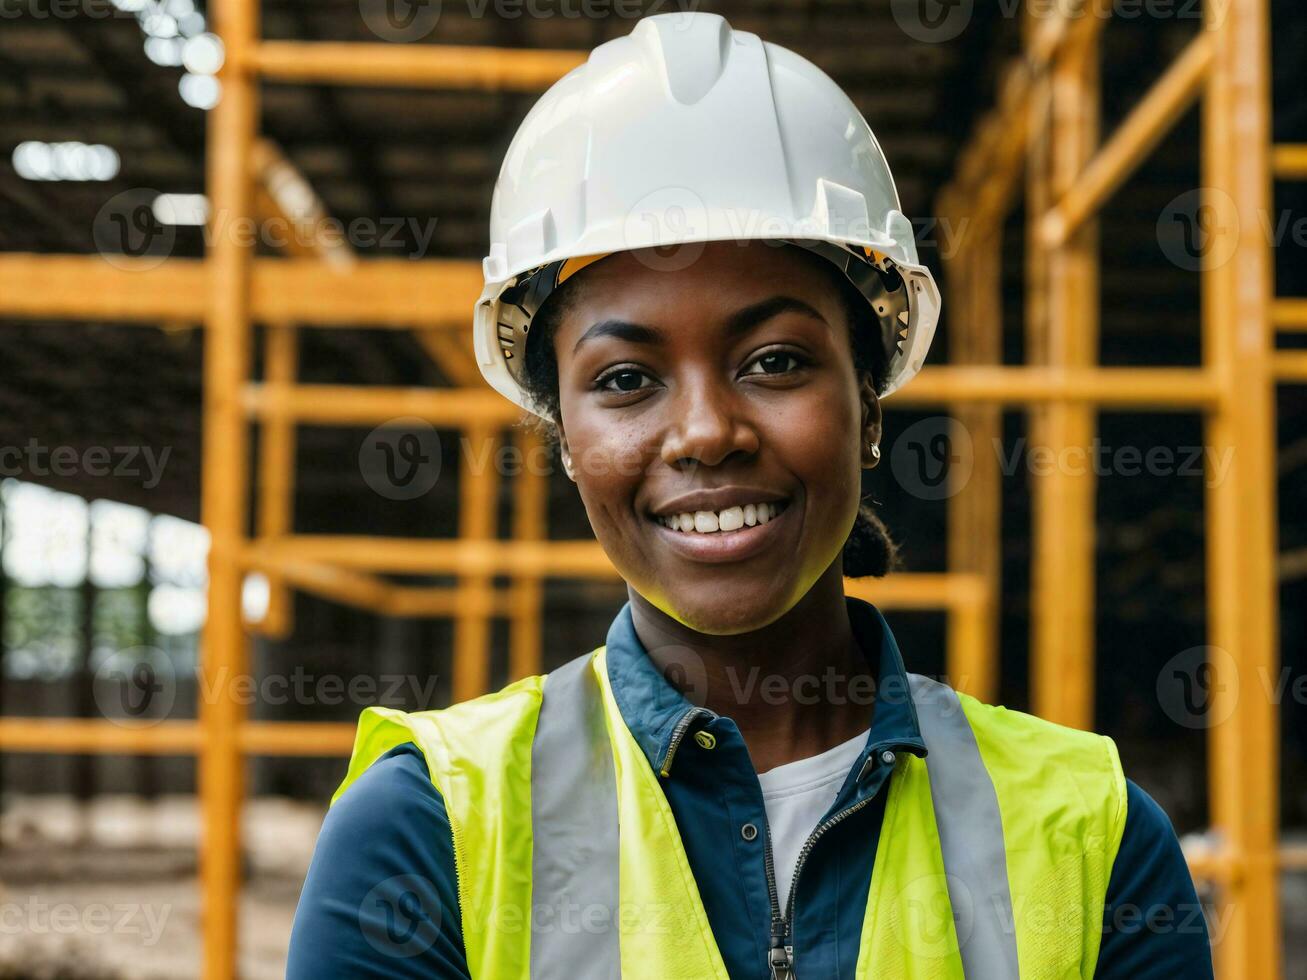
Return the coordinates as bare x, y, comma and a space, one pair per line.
706, 739
887, 757
748, 831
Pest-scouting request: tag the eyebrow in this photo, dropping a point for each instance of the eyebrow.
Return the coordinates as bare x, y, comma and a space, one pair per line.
740, 322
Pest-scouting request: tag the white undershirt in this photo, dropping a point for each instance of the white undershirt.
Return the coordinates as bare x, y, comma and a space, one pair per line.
796, 796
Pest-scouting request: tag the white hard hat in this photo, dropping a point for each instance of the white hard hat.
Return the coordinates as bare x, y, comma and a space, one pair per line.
686, 131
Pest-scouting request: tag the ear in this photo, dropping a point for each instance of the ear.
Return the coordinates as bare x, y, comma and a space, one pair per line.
870, 427
564, 452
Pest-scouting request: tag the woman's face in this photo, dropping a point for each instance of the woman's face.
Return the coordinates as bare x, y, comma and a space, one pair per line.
724, 390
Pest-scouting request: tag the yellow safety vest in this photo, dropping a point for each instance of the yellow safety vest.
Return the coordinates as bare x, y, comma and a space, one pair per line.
1014, 792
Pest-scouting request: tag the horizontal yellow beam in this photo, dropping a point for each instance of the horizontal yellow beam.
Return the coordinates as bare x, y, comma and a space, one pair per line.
349, 588
414, 65
372, 593
1160, 388
1291, 365
98, 736
921, 591
449, 556
362, 405
1289, 161
1290, 314
385, 293
1158, 111
306, 738
1219, 865
550, 559
445, 602
1171, 388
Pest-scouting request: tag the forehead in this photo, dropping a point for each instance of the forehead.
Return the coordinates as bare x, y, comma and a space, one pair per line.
705, 277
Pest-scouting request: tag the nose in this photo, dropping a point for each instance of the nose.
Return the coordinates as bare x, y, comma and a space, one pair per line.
708, 425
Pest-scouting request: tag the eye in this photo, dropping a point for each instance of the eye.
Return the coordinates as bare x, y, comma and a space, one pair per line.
622, 380
774, 362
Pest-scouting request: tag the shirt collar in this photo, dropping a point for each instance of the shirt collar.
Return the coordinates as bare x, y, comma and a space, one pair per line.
652, 707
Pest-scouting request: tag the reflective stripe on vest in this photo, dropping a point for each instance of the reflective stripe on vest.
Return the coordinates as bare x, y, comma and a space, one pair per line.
970, 832
574, 825
574, 831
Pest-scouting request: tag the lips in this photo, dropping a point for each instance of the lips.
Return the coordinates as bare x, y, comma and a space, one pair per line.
724, 534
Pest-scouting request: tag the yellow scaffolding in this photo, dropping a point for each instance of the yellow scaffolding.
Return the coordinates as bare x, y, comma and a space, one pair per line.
1045, 125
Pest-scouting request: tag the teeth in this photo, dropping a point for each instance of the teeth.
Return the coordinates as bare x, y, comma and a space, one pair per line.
730, 519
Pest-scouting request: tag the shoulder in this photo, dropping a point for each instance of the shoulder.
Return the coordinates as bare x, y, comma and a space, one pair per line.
394, 794
381, 897
1153, 923
1038, 756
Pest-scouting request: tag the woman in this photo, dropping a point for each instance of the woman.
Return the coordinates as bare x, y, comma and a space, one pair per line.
700, 279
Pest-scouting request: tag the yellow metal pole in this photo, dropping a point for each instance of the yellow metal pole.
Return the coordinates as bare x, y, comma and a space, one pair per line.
223, 501
1062, 600
477, 511
277, 474
974, 509
1039, 197
1238, 341
972, 665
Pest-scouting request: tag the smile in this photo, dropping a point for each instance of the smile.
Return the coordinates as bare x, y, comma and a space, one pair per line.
718, 521
732, 534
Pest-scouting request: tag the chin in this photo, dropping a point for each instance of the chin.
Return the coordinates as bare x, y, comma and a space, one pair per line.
723, 612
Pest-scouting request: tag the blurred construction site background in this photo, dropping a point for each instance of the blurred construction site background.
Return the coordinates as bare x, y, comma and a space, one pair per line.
252, 481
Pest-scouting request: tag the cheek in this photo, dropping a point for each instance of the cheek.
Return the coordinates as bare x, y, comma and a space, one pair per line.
818, 442
608, 463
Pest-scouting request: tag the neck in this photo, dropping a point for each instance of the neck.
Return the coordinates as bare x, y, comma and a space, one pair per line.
787, 686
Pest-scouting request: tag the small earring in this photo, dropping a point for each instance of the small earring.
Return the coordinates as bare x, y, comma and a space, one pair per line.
875, 454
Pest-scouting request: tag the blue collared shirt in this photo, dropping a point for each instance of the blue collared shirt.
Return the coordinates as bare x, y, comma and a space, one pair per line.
391, 827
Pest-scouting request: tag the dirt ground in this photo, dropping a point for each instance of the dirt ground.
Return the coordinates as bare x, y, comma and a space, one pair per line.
109, 891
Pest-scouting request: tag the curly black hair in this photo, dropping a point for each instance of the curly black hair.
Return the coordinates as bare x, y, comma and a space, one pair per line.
869, 550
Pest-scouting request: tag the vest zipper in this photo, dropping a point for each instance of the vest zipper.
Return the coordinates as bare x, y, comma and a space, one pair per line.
781, 954
780, 957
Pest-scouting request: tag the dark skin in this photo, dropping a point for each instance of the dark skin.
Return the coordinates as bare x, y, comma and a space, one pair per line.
742, 381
